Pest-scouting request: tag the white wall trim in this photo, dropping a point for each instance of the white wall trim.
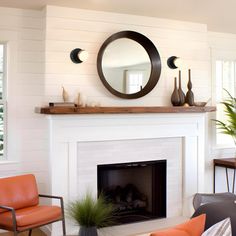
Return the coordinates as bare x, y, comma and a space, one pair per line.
69, 130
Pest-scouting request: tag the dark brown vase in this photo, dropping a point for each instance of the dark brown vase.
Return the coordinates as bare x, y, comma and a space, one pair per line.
189, 95
175, 100
88, 231
180, 91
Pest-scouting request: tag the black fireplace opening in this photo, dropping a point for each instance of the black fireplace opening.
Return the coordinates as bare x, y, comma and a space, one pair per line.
137, 190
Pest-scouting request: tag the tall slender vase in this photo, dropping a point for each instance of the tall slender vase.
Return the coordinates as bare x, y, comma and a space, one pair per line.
180, 91
175, 100
189, 95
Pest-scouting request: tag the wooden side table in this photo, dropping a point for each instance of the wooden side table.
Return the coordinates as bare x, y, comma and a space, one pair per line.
227, 163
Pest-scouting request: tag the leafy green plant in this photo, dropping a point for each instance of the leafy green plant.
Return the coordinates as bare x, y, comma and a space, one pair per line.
228, 127
90, 212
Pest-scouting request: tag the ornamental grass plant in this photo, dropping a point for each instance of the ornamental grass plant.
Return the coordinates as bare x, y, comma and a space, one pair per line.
90, 212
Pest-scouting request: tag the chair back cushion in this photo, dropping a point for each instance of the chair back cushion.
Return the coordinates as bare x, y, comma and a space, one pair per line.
204, 198
19, 191
218, 211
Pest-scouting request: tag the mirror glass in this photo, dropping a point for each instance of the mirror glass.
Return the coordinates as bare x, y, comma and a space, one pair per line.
126, 66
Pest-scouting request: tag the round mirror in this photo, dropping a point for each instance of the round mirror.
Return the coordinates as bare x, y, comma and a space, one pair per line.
129, 64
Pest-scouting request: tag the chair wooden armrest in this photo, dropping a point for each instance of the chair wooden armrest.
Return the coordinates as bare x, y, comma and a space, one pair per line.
50, 196
55, 197
7, 208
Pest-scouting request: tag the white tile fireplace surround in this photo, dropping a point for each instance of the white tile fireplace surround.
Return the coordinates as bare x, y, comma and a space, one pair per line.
80, 142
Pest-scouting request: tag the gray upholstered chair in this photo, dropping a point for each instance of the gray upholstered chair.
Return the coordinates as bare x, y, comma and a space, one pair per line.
204, 198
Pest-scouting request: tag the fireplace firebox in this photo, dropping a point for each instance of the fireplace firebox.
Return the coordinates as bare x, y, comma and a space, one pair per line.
137, 190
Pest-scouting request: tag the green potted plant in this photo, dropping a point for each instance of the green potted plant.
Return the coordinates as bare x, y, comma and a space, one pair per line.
91, 214
229, 127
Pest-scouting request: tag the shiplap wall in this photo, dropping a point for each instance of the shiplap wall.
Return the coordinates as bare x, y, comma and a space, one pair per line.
68, 28
27, 140
223, 47
39, 44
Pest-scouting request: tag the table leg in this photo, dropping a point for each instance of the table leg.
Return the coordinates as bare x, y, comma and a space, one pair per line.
227, 178
214, 179
233, 182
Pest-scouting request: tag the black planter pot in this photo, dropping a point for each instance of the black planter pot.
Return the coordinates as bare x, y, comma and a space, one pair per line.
88, 231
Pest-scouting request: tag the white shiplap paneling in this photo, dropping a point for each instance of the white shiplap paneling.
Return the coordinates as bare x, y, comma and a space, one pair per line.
68, 28
39, 44
27, 142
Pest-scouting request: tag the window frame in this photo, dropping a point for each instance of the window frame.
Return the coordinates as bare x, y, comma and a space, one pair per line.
3, 101
128, 85
219, 55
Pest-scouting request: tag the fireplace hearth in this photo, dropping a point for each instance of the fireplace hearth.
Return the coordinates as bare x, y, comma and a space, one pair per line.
79, 143
137, 190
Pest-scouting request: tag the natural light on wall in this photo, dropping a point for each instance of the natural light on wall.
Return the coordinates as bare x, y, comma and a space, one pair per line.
1, 99
134, 81
225, 79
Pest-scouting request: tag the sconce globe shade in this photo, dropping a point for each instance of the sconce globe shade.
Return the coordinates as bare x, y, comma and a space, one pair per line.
174, 62
78, 55
83, 55
178, 62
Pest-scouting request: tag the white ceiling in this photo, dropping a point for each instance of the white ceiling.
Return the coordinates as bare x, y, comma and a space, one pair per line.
219, 15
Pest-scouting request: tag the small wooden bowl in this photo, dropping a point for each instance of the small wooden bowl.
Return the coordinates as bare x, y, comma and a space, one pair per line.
200, 104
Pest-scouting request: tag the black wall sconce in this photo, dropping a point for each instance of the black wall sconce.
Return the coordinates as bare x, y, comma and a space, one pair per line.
174, 62
78, 55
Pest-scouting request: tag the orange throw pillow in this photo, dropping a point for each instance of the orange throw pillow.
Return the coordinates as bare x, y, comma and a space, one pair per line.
193, 227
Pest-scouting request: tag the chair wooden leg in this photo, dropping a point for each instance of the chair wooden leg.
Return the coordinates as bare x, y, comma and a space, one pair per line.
30, 231
64, 227
15, 233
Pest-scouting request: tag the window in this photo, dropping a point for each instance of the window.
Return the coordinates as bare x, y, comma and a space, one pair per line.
134, 81
225, 79
2, 98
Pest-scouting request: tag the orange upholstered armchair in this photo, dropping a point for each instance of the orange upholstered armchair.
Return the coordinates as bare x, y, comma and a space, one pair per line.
19, 206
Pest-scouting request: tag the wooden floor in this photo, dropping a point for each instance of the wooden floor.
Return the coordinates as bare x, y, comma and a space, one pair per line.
35, 232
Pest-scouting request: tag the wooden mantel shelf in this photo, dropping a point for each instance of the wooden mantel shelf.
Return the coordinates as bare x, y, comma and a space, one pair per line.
122, 110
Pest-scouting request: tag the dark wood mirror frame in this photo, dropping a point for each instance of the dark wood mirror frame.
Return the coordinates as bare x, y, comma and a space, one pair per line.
152, 53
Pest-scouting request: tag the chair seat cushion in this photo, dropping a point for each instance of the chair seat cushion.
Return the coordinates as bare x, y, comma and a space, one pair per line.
31, 216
